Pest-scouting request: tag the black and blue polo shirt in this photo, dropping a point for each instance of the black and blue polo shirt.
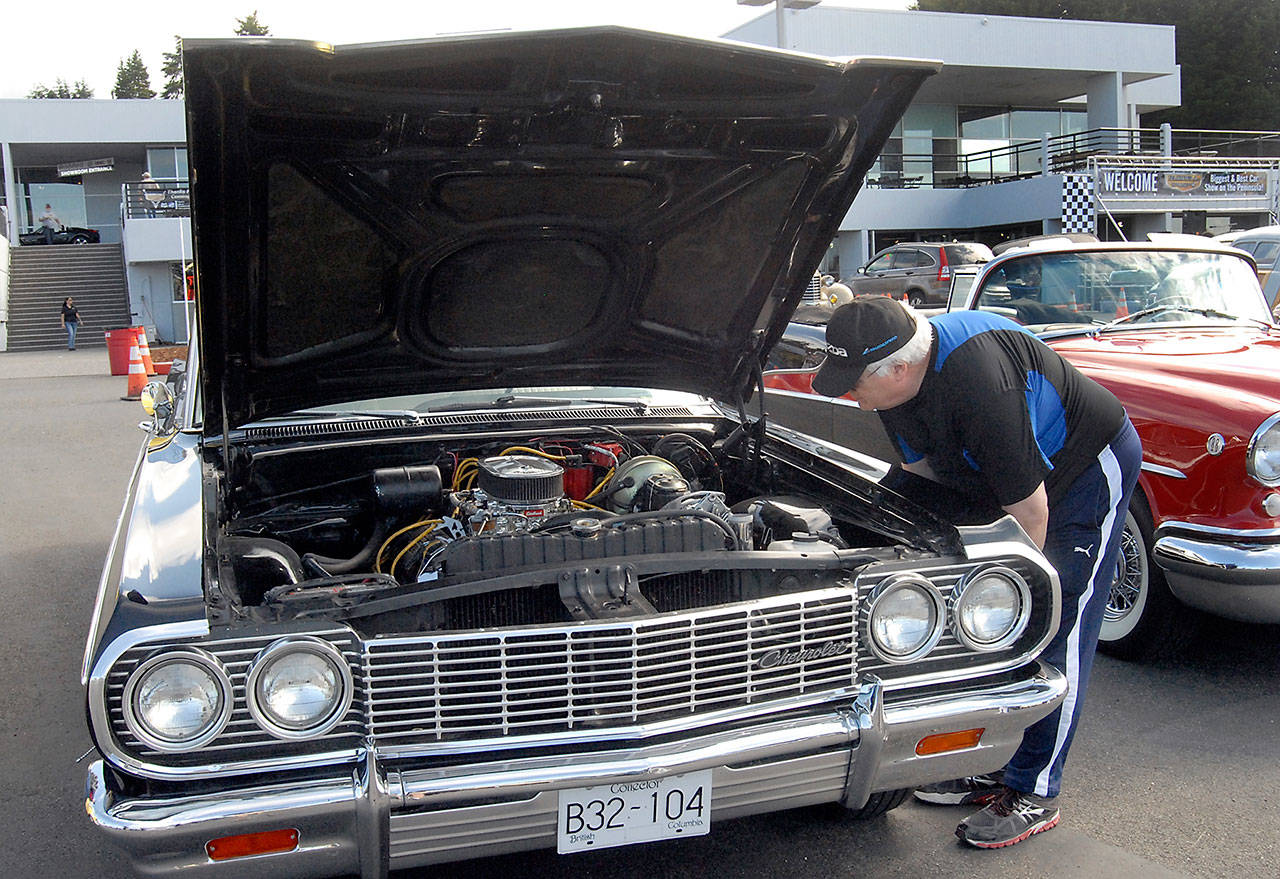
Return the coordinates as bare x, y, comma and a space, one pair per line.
999, 411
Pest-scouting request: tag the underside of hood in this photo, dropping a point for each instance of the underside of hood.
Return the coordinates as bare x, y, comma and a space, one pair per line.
599, 206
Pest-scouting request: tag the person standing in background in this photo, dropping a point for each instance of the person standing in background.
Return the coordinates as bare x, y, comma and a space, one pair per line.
70, 321
49, 223
152, 194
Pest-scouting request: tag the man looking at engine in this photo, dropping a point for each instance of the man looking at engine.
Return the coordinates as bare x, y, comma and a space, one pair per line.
977, 402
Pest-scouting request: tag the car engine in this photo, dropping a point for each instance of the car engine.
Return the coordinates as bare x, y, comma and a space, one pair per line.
536, 532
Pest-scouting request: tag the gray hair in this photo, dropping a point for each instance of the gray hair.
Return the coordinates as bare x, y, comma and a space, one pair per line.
913, 352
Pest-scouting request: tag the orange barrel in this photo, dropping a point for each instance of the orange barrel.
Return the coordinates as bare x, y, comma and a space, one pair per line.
118, 343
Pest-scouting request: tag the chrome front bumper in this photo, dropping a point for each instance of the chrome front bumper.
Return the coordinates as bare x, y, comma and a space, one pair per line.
1240, 581
379, 817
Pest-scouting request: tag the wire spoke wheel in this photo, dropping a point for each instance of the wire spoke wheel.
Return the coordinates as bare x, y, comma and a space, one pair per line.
1130, 580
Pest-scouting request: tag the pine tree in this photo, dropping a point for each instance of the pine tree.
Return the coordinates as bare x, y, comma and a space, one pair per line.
172, 70
249, 26
62, 90
132, 78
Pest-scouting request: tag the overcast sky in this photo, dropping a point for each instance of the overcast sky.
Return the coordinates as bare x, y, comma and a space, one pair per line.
87, 39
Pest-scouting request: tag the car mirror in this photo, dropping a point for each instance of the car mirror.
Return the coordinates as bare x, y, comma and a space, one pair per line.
157, 401
862, 270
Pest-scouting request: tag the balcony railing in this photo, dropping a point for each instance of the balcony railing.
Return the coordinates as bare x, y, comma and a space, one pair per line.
157, 198
942, 169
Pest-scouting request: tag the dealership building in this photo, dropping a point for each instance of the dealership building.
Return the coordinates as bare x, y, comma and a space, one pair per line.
1032, 126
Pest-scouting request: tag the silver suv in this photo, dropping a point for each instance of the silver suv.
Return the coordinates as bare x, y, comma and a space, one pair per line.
920, 271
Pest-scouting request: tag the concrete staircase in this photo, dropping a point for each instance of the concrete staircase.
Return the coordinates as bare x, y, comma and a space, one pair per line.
41, 277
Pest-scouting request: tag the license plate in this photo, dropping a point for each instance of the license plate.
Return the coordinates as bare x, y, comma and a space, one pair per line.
627, 812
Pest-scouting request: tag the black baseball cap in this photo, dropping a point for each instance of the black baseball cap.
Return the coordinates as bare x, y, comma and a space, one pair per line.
861, 333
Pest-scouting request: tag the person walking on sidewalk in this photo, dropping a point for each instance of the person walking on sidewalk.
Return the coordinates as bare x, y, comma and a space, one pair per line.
975, 401
70, 321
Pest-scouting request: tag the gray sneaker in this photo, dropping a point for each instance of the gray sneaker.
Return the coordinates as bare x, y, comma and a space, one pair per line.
1008, 819
979, 789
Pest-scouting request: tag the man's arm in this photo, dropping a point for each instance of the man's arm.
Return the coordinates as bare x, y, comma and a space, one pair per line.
1032, 513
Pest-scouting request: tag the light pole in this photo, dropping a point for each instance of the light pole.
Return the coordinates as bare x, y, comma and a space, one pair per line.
780, 13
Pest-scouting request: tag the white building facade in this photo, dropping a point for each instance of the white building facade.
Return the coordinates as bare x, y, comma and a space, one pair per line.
86, 158
1021, 129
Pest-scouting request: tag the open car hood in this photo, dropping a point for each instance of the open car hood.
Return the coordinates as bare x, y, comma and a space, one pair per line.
598, 206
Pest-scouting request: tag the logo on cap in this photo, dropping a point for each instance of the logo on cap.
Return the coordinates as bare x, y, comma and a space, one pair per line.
888, 341
837, 351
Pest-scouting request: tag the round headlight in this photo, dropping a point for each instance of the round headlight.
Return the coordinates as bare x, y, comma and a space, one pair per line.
905, 619
990, 608
299, 687
1262, 461
177, 700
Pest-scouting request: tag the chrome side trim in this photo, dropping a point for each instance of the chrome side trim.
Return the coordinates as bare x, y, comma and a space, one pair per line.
1163, 471
862, 464
843, 401
106, 583
1170, 525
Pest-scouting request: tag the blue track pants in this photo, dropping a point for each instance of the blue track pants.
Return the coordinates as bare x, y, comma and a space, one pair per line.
1083, 543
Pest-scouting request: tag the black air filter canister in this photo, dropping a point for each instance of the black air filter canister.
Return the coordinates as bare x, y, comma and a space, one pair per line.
521, 479
407, 489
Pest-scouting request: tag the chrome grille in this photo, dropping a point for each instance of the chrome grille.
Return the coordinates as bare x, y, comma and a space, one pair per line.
547, 680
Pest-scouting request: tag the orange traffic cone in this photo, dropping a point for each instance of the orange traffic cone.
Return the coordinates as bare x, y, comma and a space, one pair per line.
145, 350
137, 375
1122, 308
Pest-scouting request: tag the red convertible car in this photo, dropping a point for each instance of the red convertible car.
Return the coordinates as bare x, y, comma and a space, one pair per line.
1181, 334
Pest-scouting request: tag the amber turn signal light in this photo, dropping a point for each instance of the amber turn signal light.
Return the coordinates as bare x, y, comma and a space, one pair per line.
265, 843
941, 743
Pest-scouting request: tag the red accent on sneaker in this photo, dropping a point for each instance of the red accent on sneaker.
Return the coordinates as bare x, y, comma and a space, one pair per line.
1025, 836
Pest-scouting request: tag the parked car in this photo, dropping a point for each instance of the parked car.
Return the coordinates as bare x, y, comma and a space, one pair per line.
1181, 333
64, 235
458, 538
919, 271
1263, 244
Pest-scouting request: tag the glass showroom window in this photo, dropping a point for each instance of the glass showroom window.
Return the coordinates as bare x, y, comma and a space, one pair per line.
167, 163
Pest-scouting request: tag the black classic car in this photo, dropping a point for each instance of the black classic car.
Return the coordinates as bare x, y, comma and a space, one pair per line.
63, 235
456, 536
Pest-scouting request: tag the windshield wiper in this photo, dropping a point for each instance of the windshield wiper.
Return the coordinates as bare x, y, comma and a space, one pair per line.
1156, 309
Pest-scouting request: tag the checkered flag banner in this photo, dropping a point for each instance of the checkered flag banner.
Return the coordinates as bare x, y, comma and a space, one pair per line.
1078, 211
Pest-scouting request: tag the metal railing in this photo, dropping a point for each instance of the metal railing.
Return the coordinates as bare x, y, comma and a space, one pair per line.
1056, 155
157, 198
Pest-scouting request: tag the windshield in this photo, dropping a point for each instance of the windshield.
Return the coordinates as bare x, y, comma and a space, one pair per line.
971, 254
1123, 288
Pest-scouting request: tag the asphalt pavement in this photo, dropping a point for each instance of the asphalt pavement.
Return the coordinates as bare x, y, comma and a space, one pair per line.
1174, 770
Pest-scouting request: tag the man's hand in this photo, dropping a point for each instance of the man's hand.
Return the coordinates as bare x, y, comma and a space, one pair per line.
1032, 513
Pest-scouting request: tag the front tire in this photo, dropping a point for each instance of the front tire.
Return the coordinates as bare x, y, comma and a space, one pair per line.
880, 803
80, 239
1142, 619
915, 298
